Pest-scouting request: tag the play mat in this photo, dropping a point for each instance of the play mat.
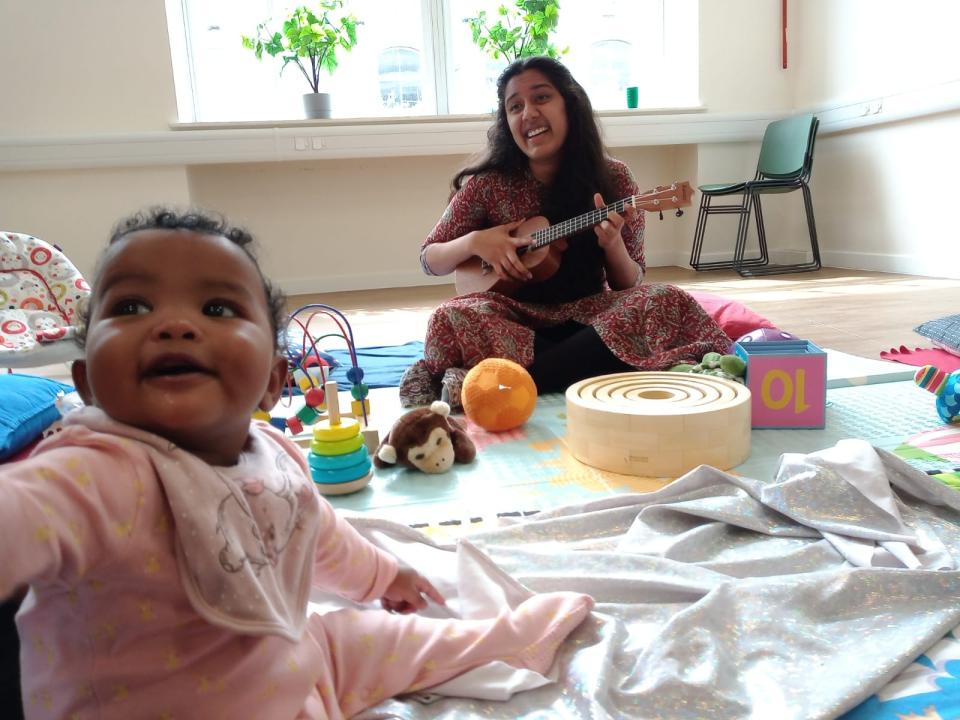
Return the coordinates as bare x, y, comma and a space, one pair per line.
520, 472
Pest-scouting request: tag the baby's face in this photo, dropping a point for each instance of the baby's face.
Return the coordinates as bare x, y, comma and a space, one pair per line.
179, 341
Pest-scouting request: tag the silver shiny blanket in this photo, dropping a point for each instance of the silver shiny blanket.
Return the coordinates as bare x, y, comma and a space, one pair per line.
718, 596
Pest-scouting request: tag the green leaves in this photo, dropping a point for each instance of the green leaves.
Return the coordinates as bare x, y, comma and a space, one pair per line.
309, 38
523, 29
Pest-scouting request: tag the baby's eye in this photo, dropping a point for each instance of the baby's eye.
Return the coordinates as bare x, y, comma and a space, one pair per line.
218, 308
439, 440
130, 306
419, 456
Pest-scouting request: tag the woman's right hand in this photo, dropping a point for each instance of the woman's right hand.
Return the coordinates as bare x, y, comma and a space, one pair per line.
498, 248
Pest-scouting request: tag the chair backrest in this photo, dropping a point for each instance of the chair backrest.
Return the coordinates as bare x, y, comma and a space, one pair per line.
787, 149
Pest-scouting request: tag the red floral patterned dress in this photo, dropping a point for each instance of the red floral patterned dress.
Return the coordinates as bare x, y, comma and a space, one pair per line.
649, 326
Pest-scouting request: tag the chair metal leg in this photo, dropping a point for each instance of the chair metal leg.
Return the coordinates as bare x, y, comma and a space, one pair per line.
761, 231
812, 265
699, 231
743, 210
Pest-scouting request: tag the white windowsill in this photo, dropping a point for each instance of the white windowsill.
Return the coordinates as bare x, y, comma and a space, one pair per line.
292, 140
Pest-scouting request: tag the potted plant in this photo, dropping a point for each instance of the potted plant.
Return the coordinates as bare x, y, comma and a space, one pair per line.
310, 38
523, 29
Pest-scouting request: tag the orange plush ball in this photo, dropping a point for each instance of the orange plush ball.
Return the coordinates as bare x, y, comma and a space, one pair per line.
498, 394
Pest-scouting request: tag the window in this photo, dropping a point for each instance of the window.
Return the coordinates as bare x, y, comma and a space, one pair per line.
416, 57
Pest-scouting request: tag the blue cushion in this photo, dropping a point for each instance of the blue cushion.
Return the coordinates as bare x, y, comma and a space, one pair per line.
26, 409
944, 331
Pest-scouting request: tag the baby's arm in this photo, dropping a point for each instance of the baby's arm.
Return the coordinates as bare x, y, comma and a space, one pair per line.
347, 563
59, 512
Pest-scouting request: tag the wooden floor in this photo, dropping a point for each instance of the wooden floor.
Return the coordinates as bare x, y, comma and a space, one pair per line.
854, 311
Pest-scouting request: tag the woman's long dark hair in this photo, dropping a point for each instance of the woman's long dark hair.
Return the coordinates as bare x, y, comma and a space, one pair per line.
583, 171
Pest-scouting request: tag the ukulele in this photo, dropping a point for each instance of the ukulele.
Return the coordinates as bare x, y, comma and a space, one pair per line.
542, 256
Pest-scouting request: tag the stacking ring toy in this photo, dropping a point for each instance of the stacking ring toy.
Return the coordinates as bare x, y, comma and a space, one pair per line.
658, 424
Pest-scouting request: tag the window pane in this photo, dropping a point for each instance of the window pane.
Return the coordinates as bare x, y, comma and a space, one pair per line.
230, 84
612, 44
400, 78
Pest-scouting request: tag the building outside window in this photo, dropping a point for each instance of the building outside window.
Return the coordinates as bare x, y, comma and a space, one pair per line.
399, 74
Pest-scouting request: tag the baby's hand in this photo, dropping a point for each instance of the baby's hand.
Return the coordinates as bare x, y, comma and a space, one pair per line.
405, 594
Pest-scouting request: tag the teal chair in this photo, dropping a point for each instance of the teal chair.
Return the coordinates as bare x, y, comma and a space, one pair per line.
786, 160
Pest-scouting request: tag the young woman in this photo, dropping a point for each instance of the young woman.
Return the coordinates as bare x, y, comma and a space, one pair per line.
593, 315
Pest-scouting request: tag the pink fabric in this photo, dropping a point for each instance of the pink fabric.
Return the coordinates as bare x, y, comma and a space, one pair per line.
735, 318
260, 516
941, 359
109, 632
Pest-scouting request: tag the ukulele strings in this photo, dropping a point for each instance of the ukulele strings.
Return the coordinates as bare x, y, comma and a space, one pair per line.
568, 227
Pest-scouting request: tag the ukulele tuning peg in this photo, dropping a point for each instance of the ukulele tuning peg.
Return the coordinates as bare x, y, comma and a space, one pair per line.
679, 212
661, 214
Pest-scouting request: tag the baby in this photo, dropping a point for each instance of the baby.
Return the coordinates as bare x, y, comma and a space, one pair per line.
170, 543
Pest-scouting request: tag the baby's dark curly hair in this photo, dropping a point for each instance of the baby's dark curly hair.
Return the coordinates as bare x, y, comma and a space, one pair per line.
198, 221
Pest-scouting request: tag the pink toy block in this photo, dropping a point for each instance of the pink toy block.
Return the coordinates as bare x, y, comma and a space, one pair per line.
788, 383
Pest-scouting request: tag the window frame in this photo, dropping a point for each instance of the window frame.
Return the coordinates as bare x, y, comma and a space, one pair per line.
436, 73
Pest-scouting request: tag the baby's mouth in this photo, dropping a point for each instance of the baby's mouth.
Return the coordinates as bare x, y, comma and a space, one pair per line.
174, 366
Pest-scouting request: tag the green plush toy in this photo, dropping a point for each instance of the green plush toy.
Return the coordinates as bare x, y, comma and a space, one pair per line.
730, 367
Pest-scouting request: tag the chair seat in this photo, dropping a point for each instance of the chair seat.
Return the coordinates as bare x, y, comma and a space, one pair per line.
722, 188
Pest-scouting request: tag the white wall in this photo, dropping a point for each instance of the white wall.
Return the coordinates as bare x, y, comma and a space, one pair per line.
884, 196
109, 72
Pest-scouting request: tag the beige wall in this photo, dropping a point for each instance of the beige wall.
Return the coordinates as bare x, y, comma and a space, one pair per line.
740, 57
360, 222
343, 224
78, 68
77, 208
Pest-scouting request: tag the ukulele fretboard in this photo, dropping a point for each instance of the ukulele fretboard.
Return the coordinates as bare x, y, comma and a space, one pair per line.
570, 227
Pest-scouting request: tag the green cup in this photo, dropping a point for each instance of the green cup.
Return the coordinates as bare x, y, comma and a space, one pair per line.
633, 97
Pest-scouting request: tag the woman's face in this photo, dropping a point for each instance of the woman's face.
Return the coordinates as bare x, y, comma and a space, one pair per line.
537, 116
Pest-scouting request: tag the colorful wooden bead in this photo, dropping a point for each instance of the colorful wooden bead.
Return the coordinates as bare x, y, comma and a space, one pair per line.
359, 391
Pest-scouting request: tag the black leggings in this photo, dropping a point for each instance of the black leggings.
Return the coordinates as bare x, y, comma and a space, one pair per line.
566, 353
9, 661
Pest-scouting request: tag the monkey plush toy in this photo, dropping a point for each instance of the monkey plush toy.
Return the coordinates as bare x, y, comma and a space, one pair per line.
426, 439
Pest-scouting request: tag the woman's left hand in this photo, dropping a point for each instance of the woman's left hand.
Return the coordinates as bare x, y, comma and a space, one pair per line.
609, 231
405, 594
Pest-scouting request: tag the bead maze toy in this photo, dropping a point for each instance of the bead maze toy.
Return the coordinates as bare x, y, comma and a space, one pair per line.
338, 439
658, 424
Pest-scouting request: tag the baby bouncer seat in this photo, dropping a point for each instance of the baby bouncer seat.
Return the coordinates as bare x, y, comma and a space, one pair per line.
40, 291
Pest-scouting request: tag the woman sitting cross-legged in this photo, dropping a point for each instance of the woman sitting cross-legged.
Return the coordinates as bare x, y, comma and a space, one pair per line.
593, 315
